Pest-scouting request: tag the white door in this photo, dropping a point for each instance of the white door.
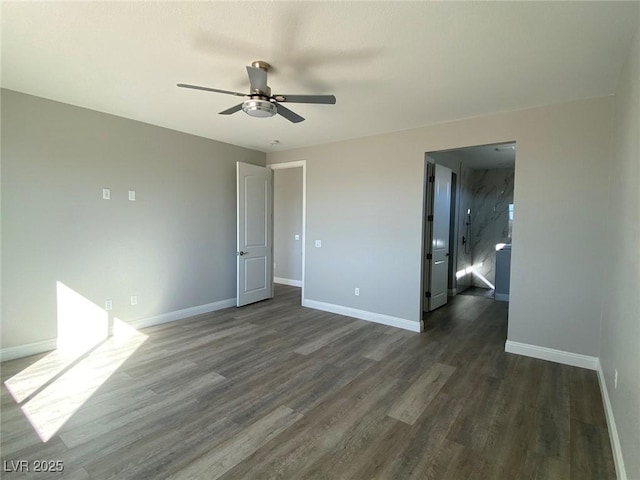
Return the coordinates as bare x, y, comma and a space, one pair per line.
254, 226
439, 254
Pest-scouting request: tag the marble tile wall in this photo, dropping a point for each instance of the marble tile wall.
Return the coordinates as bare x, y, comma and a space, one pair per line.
492, 192
465, 251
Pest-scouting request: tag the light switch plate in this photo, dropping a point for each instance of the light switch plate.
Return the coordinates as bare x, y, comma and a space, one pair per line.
296, 236
106, 194
132, 195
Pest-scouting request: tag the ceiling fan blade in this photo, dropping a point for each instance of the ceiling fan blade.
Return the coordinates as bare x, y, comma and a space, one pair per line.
207, 89
325, 99
258, 78
231, 110
289, 115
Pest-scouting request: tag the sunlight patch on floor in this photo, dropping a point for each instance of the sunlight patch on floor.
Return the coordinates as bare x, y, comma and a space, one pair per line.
56, 403
57, 385
81, 326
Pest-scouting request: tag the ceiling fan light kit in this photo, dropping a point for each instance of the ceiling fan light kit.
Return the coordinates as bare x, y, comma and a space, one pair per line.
259, 108
260, 102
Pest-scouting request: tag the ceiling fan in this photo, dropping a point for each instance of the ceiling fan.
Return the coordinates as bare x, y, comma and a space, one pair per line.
260, 102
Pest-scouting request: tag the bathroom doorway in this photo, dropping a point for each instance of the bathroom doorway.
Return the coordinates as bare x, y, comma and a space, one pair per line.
482, 216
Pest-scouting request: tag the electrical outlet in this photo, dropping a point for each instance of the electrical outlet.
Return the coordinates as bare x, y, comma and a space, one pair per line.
106, 194
318, 243
357, 292
134, 299
296, 237
108, 304
615, 379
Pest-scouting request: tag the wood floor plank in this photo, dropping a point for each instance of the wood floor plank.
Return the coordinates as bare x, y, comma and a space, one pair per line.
541, 467
164, 449
329, 337
461, 462
481, 411
384, 345
588, 442
416, 398
585, 397
315, 435
362, 452
407, 451
243, 444
150, 410
328, 384
276, 390
552, 422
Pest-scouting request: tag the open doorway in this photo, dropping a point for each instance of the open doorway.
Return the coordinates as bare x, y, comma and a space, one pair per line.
480, 219
289, 218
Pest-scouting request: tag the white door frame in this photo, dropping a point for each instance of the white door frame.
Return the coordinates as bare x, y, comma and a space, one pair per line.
298, 164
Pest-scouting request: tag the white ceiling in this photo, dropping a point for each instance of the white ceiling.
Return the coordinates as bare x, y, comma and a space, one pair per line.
392, 66
481, 157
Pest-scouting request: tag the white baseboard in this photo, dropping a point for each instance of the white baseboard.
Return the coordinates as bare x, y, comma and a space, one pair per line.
584, 361
611, 426
288, 281
501, 297
184, 313
551, 354
20, 351
364, 315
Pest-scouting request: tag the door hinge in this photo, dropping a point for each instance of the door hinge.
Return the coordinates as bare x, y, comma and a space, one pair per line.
429, 218
429, 256
432, 179
427, 294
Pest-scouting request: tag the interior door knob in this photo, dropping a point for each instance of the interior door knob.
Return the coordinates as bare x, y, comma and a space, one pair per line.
243, 253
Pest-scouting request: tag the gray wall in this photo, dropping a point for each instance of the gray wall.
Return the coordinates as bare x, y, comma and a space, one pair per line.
174, 246
287, 223
351, 199
365, 197
620, 281
492, 194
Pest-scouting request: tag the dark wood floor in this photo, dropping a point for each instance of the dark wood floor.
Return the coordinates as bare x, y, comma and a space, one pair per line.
274, 390
479, 292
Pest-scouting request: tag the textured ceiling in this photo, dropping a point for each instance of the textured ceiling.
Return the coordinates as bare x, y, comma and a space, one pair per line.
392, 66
